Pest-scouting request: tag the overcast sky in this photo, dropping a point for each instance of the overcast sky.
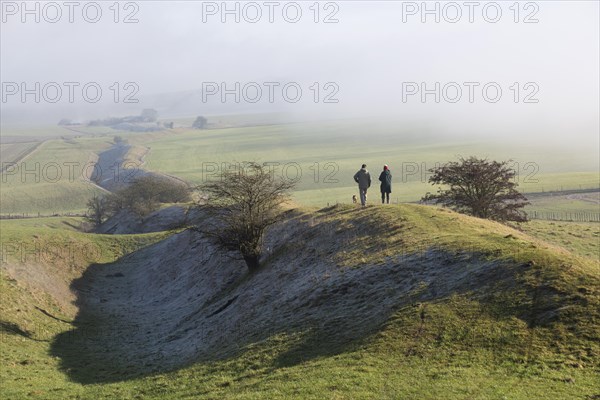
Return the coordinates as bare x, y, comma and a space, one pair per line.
371, 54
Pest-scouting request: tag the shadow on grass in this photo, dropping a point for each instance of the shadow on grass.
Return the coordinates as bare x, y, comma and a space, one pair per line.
333, 315
10, 328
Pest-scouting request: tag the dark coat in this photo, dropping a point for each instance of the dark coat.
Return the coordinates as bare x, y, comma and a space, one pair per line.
386, 181
363, 178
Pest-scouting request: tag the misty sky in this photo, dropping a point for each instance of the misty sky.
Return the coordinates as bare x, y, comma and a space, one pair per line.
368, 54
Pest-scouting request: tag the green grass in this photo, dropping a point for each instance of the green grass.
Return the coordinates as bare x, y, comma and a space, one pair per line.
41, 132
56, 252
37, 131
12, 152
465, 346
53, 178
327, 154
470, 345
323, 156
578, 202
578, 237
379, 370
59, 242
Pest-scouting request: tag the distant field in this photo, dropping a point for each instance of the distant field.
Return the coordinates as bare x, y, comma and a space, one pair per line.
232, 120
322, 156
576, 202
11, 152
582, 239
52, 179
44, 131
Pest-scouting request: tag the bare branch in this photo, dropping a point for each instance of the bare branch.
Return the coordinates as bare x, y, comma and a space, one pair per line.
240, 206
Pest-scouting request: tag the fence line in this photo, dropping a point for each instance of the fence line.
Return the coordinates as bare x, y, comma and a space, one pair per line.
564, 216
39, 215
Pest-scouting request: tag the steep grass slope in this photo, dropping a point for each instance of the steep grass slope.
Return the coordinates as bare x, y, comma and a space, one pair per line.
40, 258
388, 302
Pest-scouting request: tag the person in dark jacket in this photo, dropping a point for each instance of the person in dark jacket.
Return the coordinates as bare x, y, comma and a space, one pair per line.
386, 184
363, 178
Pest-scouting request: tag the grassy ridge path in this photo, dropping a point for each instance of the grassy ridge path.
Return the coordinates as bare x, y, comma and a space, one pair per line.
180, 301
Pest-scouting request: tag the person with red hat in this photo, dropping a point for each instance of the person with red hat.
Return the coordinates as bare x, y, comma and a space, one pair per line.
386, 184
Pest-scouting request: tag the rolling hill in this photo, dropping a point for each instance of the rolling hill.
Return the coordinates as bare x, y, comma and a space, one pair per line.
402, 301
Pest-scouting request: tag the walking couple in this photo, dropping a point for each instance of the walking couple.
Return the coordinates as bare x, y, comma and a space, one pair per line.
363, 178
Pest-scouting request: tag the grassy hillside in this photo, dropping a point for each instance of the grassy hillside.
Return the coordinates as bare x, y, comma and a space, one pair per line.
40, 258
53, 178
579, 238
388, 302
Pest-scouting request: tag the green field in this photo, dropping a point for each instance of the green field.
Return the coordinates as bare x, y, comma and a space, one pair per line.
580, 238
573, 202
191, 205
321, 156
12, 152
35, 131
470, 347
52, 179
52, 131
476, 344
325, 156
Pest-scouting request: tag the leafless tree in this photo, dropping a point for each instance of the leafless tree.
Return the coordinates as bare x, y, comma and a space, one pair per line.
240, 206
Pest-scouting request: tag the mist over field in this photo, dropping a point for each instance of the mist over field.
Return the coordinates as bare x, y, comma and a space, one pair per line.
299, 200
365, 48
